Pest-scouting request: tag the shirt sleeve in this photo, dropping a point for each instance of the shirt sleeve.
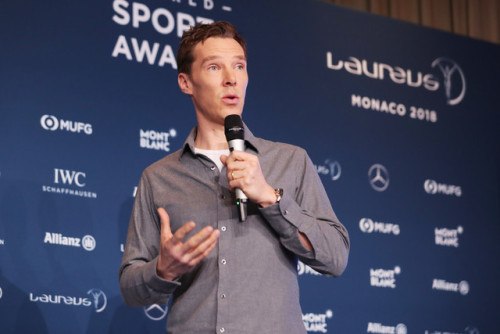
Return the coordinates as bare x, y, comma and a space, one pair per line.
305, 207
139, 283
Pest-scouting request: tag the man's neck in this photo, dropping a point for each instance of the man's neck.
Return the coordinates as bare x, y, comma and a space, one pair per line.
210, 137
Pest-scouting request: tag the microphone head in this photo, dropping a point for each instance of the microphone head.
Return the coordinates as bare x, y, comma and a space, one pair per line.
233, 127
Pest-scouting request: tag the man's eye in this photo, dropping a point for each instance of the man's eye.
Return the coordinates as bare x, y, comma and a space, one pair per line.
212, 68
240, 67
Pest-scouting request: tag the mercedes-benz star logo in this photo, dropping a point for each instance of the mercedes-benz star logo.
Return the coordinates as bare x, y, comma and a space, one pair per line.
378, 176
156, 312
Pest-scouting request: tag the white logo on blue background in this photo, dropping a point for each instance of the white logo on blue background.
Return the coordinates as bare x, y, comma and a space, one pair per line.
156, 312
378, 176
453, 76
99, 299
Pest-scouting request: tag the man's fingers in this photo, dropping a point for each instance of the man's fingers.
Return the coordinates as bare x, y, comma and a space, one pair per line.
165, 223
202, 251
181, 233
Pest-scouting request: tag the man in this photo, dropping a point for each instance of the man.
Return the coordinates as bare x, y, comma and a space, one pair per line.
185, 238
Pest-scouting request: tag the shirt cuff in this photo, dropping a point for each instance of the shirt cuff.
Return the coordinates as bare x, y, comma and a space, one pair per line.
287, 219
157, 283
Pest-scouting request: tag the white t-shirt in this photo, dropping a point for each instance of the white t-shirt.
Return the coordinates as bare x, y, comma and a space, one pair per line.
214, 155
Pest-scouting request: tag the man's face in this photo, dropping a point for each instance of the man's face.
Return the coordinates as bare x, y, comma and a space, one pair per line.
218, 80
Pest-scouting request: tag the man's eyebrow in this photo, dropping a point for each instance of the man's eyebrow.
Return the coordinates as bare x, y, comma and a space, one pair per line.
211, 58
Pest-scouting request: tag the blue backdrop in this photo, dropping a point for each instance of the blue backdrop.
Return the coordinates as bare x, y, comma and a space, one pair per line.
401, 122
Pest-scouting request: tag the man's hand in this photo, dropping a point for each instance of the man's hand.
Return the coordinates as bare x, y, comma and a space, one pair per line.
244, 172
177, 257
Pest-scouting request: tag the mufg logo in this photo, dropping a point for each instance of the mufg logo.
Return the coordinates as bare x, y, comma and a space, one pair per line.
52, 123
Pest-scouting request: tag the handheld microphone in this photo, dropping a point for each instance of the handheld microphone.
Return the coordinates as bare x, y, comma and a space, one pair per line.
233, 128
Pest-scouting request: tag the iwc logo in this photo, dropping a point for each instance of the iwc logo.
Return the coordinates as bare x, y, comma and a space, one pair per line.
378, 176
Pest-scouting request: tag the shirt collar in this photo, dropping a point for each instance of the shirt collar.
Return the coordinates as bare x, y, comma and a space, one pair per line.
250, 141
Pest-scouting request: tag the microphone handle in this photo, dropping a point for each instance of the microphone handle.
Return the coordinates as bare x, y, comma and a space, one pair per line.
241, 198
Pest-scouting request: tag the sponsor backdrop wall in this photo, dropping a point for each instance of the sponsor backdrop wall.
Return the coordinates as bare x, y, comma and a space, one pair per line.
401, 122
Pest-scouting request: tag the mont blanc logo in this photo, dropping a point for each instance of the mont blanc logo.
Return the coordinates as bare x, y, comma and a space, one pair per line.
156, 312
432, 187
447, 237
384, 278
378, 176
87, 242
331, 169
303, 269
453, 80
99, 299
440, 284
376, 327
64, 180
317, 322
156, 140
52, 123
367, 225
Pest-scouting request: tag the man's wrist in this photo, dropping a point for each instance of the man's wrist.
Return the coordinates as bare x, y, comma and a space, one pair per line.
272, 196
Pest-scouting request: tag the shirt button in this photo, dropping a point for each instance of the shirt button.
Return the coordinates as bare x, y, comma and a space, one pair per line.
223, 229
286, 212
212, 168
222, 197
223, 296
222, 330
223, 261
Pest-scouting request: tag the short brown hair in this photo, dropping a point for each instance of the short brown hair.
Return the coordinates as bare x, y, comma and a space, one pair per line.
200, 33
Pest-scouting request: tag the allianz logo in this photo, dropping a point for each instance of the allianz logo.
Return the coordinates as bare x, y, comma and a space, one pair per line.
384, 278
367, 225
432, 187
97, 299
447, 237
303, 269
87, 242
52, 123
317, 322
156, 140
440, 284
375, 327
453, 77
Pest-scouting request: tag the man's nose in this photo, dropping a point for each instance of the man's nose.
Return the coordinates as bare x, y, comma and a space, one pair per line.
229, 78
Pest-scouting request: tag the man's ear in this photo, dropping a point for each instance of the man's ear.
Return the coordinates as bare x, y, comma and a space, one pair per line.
184, 83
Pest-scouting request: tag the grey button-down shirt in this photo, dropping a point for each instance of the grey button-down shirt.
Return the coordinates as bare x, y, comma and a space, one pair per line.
248, 283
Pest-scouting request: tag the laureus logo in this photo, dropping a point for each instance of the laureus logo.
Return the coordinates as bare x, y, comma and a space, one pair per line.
99, 299
453, 80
